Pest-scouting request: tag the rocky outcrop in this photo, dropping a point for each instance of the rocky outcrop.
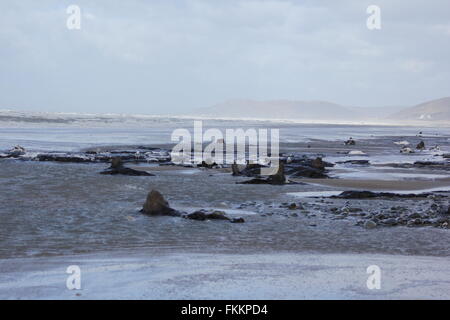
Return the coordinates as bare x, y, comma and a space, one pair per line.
14, 152
207, 165
276, 179
356, 162
235, 170
156, 205
60, 157
308, 172
117, 167
250, 170
353, 194
214, 215
308, 168
138, 154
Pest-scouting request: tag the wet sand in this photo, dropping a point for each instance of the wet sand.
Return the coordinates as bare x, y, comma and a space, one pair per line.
60, 214
285, 275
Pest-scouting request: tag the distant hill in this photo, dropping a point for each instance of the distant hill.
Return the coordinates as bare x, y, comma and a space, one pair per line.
281, 109
435, 110
295, 110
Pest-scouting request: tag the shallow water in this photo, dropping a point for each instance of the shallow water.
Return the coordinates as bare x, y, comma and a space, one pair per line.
73, 137
59, 209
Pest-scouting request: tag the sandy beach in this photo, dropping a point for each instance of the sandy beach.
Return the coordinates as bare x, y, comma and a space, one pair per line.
296, 242
199, 276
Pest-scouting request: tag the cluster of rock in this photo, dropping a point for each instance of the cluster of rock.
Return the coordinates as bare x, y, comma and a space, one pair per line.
400, 216
294, 167
276, 179
156, 205
139, 154
419, 146
304, 167
437, 214
16, 151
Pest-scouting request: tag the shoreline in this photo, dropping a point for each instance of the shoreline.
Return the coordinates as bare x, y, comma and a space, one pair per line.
184, 275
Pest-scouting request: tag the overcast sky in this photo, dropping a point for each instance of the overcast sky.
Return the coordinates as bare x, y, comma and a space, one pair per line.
174, 56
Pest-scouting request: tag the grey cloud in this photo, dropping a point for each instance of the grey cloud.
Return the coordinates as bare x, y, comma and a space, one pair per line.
172, 56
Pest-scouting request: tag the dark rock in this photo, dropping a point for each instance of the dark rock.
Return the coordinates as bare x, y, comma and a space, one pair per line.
156, 205
235, 170
217, 215
318, 164
354, 194
117, 167
357, 162
276, 179
436, 165
420, 145
308, 172
292, 206
207, 165
203, 215
63, 158
308, 168
16, 151
97, 155
252, 169
196, 215
350, 142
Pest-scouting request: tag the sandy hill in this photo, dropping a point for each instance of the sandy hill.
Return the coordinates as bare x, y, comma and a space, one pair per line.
435, 110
